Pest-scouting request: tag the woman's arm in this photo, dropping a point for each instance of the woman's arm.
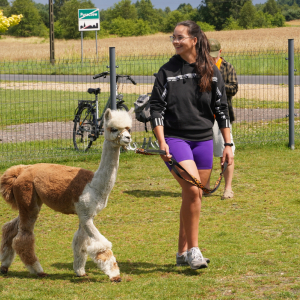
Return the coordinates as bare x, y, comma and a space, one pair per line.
159, 133
227, 153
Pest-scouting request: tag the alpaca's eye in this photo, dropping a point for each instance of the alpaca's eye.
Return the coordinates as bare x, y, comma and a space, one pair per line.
113, 130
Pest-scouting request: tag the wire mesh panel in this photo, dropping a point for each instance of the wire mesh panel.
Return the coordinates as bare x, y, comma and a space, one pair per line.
261, 104
38, 101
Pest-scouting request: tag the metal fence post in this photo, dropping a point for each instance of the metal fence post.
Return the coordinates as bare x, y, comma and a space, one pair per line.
112, 66
291, 94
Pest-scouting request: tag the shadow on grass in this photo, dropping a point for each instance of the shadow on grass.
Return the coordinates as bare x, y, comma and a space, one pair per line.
147, 193
135, 268
126, 268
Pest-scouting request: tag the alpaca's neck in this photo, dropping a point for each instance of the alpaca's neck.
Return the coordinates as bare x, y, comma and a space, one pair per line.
105, 177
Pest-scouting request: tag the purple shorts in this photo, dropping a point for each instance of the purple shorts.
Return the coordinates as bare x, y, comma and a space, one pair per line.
200, 152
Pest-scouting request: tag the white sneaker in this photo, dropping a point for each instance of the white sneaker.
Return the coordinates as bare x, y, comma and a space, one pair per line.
181, 260
195, 259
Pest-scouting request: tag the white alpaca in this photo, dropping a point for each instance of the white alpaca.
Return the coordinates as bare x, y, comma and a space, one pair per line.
68, 190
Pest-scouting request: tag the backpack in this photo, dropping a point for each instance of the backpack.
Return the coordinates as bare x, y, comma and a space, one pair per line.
142, 109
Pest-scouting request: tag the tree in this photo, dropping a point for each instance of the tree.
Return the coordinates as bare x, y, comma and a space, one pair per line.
261, 20
147, 12
278, 20
122, 27
68, 20
31, 23
4, 3
271, 7
217, 12
43, 10
123, 9
247, 15
5, 22
57, 5
173, 18
190, 12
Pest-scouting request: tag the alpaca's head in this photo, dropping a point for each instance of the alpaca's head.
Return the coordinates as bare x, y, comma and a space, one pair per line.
117, 124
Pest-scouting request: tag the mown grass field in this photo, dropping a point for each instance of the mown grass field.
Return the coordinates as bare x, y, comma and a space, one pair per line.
232, 41
252, 240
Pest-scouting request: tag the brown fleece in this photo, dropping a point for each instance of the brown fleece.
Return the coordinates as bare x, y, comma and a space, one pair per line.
23, 244
104, 255
59, 187
9, 231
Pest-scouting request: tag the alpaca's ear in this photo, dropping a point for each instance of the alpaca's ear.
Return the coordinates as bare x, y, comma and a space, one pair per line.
107, 115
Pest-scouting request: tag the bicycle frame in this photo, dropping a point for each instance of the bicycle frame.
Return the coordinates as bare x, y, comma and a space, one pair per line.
90, 127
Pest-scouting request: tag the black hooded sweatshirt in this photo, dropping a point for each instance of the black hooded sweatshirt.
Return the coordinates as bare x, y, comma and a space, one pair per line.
177, 103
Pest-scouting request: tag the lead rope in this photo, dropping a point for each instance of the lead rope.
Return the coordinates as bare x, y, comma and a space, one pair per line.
174, 163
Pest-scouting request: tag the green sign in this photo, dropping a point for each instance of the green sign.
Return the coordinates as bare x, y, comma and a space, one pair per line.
88, 14
88, 19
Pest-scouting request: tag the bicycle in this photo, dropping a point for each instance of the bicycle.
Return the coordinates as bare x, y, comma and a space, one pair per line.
88, 126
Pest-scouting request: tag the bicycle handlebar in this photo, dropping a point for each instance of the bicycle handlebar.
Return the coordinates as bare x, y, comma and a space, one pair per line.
104, 74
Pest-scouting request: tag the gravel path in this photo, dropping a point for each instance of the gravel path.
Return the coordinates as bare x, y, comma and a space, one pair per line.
64, 130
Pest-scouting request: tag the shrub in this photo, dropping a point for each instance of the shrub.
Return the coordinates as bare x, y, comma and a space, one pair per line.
122, 27
231, 24
206, 27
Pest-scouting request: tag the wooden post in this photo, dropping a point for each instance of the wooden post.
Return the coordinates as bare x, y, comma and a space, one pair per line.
51, 21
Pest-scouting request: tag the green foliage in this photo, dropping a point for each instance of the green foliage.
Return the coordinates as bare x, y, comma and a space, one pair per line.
231, 24
206, 27
57, 5
217, 12
261, 20
4, 3
291, 13
31, 23
148, 13
172, 19
43, 10
68, 20
122, 27
247, 15
271, 7
288, 2
278, 20
123, 9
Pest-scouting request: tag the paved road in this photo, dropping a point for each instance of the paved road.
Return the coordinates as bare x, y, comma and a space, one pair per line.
242, 79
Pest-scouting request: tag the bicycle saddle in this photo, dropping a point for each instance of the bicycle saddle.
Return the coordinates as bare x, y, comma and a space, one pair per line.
94, 91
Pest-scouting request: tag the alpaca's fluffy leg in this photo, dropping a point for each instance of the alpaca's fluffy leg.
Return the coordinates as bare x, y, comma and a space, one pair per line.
99, 249
7, 253
79, 245
106, 261
23, 243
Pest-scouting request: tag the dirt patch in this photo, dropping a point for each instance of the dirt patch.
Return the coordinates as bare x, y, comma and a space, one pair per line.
64, 130
45, 131
263, 92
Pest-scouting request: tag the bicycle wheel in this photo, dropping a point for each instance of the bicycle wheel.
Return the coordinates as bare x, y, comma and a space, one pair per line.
122, 106
83, 127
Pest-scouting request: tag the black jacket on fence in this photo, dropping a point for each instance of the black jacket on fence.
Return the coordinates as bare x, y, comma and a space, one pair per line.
177, 103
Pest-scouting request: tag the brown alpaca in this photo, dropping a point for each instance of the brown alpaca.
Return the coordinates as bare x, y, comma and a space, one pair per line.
67, 190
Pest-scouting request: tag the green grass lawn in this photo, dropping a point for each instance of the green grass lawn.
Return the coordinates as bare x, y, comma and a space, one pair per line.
251, 240
31, 106
247, 63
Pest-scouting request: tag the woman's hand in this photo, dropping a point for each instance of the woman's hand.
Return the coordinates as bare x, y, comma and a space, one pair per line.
227, 156
159, 133
164, 146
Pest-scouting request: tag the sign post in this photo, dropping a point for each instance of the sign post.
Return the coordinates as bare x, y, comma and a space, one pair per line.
88, 20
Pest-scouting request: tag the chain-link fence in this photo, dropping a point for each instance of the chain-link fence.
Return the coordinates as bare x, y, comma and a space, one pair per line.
38, 101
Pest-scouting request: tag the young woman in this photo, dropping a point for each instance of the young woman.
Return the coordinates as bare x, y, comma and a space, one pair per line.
187, 93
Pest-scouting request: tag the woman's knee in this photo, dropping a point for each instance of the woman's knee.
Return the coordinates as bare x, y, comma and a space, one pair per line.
191, 194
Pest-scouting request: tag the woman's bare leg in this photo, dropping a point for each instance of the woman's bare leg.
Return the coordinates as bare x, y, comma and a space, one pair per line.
190, 207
